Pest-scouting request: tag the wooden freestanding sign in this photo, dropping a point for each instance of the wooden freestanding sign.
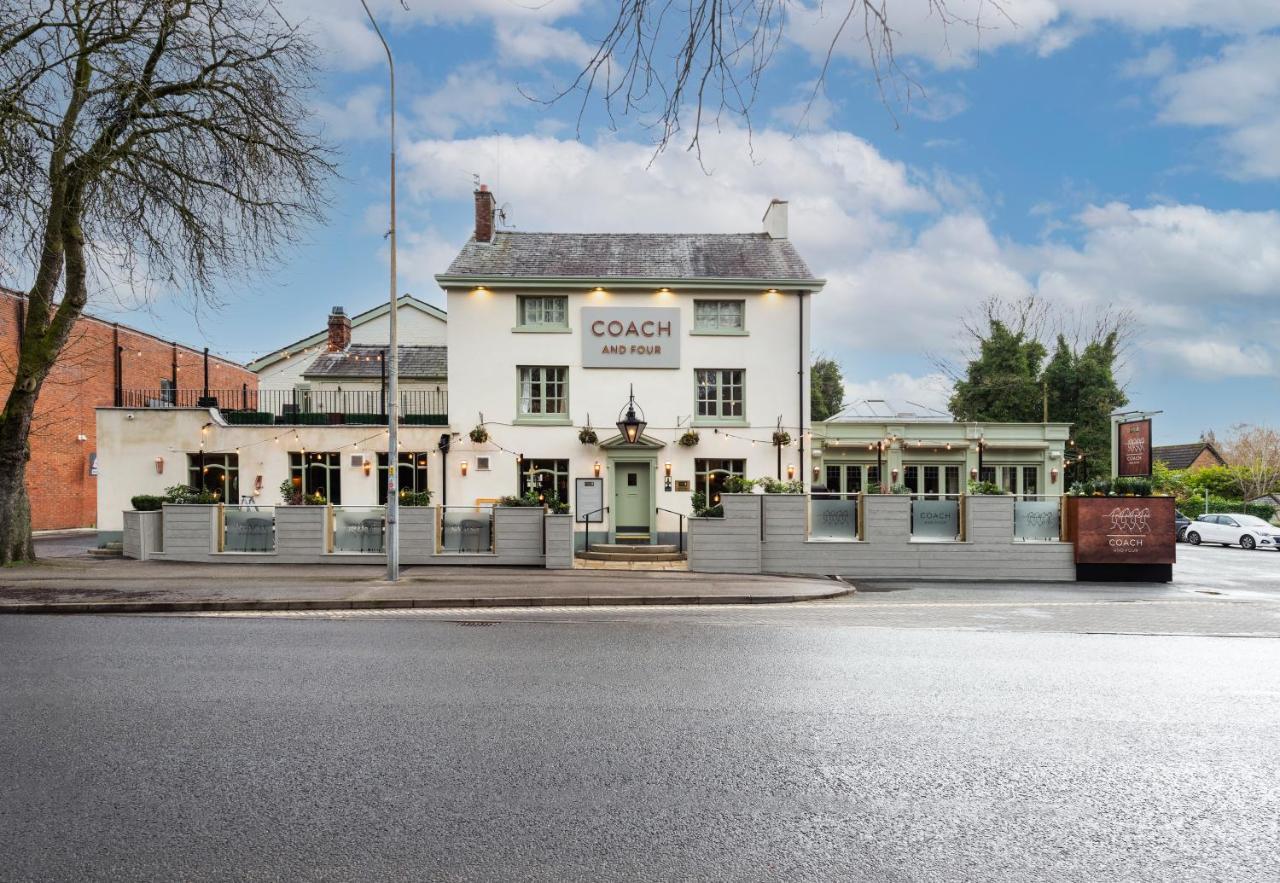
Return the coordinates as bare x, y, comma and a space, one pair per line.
1122, 538
1133, 448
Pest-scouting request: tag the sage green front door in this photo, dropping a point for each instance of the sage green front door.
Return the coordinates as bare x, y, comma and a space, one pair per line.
632, 498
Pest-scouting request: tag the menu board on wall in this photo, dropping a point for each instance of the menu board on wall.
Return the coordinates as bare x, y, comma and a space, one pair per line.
1133, 448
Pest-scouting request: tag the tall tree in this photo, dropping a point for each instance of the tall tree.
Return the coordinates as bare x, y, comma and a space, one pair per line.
160, 140
826, 389
1254, 454
1001, 383
1080, 388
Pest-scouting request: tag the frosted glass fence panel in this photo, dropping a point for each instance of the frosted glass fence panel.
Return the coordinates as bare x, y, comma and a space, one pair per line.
833, 519
466, 529
935, 520
248, 529
359, 529
1037, 519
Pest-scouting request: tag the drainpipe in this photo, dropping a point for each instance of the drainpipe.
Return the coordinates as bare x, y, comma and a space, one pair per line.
115, 364
206, 372
800, 387
173, 371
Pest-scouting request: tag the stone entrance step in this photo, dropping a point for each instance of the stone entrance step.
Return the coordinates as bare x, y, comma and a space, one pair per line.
627, 552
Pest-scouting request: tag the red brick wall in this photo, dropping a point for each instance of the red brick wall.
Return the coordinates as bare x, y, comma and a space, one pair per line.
63, 493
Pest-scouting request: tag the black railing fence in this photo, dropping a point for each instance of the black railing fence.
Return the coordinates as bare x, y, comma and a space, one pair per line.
246, 405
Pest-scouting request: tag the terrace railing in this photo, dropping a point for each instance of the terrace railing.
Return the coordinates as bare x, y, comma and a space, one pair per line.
300, 407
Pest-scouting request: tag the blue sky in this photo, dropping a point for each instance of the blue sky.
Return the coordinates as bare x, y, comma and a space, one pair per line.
1090, 156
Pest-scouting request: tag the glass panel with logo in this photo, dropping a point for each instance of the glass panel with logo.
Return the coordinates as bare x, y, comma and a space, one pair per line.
544, 391
833, 518
935, 520
1036, 519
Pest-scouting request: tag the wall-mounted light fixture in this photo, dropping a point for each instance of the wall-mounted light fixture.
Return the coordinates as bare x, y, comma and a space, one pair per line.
816, 473
1053, 476
973, 473
367, 466
791, 472
462, 467
596, 468
159, 465
893, 473
667, 468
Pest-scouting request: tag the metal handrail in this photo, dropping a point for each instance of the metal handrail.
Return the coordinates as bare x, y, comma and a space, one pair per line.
681, 517
586, 519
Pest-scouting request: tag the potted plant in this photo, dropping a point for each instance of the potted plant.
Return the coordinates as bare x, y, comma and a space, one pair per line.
689, 439
781, 438
479, 435
588, 436
415, 498
985, 489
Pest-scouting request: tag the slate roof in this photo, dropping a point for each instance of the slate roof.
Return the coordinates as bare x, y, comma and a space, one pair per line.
362, 360
657, 256
1182, 456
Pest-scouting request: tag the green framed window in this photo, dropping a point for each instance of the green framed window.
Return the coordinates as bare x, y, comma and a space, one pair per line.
317, 472
536, 312
719, 394
709, 476
412, 476
544, 476
544, 393
216, 473
719, 316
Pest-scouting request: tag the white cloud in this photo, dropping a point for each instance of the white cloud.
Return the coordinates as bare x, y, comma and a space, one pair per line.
356, 118
531, 42
472, 95
1237, 91
1215, 359
903, 391
1156, 62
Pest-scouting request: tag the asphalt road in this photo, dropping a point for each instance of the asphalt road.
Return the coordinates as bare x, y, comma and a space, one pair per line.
571, 749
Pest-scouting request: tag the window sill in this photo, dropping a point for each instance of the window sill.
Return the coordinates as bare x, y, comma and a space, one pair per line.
713, 422
536, 329
706, 332
542, 421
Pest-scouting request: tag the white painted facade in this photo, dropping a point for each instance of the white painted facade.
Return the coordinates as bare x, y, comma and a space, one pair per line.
484, 379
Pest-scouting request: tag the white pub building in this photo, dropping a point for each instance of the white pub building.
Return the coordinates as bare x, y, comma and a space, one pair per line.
557, 348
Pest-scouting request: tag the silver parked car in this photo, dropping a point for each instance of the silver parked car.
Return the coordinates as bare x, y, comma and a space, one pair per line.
1231, 528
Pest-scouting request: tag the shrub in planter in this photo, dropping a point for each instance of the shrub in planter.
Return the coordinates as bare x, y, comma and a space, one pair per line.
424, 420
781, 438
588, 436
778, 486
147, 503
899, 489
1131, 486
372, 419
736, 484
415, 498
1092, 487
292, 495
479, 435
535, 499
182, 494
985, 489
249, 418
689, 439
698, 500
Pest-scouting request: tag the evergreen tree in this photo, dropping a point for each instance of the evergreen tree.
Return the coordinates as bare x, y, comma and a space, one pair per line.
1001, 385
826, 389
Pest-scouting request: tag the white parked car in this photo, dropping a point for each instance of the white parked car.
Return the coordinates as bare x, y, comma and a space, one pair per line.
1246, 531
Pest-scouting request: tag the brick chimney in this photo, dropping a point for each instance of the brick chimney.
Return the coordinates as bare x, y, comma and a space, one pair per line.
339, 330
484, 214
775, 219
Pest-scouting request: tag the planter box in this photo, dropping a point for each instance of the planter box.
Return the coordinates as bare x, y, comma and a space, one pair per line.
558, 533
1122, 538
143, 534
190, 530
301, 530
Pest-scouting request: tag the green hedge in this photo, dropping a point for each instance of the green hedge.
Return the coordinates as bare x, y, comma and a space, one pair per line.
425, 420
303, 420
1193, 507
147, 503
249, 418
374, 419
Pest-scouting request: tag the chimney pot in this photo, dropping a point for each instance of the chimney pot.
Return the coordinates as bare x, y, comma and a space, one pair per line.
339, 331
484, 214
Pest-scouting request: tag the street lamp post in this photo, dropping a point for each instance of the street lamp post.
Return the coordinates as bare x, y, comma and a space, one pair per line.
393, 348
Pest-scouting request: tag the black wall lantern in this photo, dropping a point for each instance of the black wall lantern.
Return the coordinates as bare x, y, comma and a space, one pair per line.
629, 424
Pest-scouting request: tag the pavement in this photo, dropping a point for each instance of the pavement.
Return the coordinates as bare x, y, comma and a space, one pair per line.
75, 585
474, 745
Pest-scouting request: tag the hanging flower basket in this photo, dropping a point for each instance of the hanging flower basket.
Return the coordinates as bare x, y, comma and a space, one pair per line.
588, 436
689, 439
479, 435
781, 438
